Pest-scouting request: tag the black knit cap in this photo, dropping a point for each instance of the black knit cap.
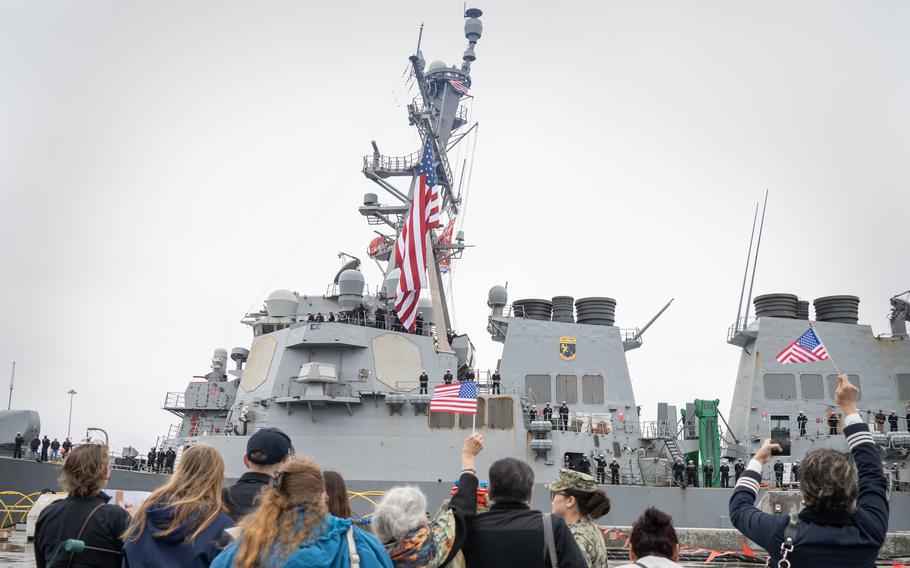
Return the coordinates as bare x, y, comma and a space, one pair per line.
271, 443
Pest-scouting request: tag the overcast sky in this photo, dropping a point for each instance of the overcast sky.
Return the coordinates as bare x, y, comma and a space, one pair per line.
162, 163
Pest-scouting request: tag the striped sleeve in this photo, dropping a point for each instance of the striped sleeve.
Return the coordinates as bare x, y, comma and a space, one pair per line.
872, 509
760, 527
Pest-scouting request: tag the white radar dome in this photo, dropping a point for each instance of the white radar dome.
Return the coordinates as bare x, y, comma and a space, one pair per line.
281, 303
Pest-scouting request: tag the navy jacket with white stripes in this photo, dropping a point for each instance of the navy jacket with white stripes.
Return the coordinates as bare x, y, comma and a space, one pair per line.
853, 540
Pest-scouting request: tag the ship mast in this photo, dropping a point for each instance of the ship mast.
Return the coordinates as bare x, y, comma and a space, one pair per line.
436, 113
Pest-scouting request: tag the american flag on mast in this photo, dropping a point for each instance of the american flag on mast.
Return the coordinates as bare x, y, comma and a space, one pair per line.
805, 349
410, 250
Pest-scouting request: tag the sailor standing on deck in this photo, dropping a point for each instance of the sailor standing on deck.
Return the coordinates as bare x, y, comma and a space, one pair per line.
470, 376
33, 446
678, 470
794, 471
548, 414
880, 421
447, 378
496, 380
708, 470
67, 446
724, 475
159, 459
55, 450
614, 472
601, 463
801, 421
691, 474
169, 458
738, 468
150, 459
892, 421
17, 454
584, 464
564, 416
424, 381
779, 473
532, 413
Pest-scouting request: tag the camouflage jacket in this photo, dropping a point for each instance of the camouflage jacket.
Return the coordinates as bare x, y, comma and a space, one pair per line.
591, 542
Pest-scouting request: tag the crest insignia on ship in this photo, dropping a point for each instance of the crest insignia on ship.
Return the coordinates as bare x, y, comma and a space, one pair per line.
567, 348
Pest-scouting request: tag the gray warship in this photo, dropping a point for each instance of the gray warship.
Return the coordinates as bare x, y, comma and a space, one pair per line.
339, 374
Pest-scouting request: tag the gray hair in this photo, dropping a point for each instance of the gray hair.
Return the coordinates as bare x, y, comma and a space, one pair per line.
828, 481
403, 509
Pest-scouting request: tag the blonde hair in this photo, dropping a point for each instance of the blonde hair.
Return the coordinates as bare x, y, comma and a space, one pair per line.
194, 492
274, 525
85, 470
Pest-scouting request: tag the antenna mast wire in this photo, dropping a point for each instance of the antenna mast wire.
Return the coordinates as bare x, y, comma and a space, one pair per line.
757, 246
742, 292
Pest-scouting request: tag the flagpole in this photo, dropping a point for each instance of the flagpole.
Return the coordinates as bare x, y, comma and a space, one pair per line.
830, 358
474, 422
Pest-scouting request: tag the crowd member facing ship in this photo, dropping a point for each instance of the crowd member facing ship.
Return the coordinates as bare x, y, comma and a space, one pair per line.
846, 509
85, 514
266, 451
182, 524
412, 541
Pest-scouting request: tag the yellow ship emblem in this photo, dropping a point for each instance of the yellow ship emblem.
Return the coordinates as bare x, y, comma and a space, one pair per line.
567, 348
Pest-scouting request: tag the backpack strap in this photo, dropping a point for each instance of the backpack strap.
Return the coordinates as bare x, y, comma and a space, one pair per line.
786, 547
82, 530
352, 549
549, 540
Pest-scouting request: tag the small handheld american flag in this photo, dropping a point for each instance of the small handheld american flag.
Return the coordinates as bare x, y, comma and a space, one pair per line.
804, 350
458, 397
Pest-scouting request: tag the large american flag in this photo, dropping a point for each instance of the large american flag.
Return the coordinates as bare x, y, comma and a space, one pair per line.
805, 349
457, 397
410, 250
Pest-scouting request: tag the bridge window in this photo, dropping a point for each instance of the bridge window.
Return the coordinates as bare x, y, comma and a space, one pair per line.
500, 412
539, 386
592, 389
442, 420
903, 386
812, 387
567, 388
465, 420
780, 386
832, 385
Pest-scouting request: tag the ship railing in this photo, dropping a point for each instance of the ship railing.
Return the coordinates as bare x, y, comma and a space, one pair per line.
391, 164
418, 107
741, 325
174, 401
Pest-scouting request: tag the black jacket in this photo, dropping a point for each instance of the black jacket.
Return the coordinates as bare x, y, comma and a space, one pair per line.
240, 498
19, 441
63, 519
853, 540
511, 534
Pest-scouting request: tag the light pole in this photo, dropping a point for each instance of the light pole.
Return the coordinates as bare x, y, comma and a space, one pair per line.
69, 424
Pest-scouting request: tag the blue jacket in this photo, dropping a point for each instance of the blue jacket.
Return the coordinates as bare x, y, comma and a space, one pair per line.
853, 540
329, 550
171, 550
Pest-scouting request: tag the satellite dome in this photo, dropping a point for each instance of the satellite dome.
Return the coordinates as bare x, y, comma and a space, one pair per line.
498, 296
221, 354
436, 66
350, 288
281, 303
390, 284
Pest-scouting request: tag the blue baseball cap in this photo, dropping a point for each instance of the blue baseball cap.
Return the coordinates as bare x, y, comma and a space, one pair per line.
271, 446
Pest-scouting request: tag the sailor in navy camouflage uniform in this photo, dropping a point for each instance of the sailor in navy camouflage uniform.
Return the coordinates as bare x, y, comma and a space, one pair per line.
848, 532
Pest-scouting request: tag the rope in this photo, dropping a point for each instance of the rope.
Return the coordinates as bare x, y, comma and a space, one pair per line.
17, 507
